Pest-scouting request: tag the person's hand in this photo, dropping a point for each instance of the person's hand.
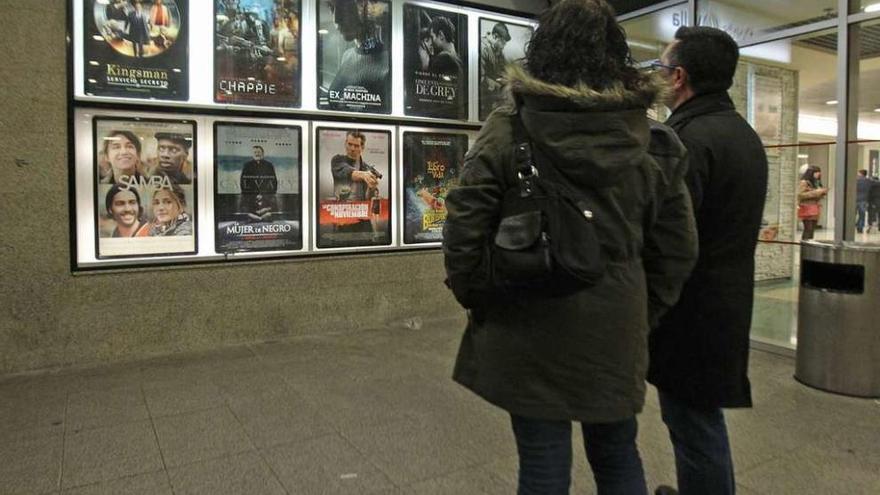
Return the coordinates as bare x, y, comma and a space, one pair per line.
367, 178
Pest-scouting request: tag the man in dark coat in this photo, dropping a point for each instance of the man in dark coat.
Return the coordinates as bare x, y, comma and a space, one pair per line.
700, 349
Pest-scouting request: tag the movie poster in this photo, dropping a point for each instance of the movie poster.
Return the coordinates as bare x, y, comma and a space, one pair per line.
501, 43
431, 166
145, 174
257, 52
258, 189
353, 191
435, 63
136, 49
354, 55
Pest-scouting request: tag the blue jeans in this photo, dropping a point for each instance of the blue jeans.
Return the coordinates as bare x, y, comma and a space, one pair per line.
545, 456
703, 464
862, 213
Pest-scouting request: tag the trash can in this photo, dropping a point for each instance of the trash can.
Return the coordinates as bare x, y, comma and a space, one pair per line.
838, 344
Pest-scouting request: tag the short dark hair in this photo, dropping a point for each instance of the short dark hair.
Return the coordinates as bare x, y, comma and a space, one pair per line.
863, 172
116, 189
258, 146
130, 136
443, 25
174, 137
595, 54
357, 135
709, 56
500, 30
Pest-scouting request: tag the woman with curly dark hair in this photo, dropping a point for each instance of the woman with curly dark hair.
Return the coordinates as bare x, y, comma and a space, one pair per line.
546, 357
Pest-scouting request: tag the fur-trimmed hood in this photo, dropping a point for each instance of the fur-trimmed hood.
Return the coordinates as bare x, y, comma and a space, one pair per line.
593, 137
650, 90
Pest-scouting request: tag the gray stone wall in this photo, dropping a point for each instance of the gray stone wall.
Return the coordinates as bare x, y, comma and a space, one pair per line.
775, 261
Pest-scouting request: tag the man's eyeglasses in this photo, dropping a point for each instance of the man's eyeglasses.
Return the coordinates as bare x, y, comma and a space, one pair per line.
658, 66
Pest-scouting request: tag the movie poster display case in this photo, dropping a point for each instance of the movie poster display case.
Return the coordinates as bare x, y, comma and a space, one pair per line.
218, 130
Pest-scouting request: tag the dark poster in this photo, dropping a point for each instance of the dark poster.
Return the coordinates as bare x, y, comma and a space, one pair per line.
145, 174
136, 49
435, 63
257, 52
354, 55
501, 43
431, 166
258, 190
354, 188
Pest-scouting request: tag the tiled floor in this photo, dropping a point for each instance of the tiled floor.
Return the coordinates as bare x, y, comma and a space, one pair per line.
372, 412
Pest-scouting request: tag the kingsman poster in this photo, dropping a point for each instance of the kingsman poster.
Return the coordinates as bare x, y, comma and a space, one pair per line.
136, 49
257, 52
501, 43
354, 55
431, 166
145, 174
435, 63
258, 189
353, 192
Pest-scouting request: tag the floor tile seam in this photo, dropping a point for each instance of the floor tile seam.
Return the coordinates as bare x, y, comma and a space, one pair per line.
370, 460
156, 439
257, 449
58, 484
777, 458
101, 481
463, 470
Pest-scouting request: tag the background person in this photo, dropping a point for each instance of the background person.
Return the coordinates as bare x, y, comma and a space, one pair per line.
549, 360
810, 193
700, 349
863, 190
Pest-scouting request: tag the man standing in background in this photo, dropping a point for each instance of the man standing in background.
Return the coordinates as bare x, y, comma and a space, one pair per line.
700, 349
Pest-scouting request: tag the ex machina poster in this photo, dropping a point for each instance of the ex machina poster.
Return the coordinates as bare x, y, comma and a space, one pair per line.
258, 188
354, 55
145, 174
257, 52
353, 190
431, 166
435, 63
136, 49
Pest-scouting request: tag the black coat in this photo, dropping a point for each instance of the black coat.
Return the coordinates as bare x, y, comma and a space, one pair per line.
700, 350
583, 356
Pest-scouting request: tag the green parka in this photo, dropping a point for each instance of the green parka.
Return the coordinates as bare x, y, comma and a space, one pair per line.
581, 357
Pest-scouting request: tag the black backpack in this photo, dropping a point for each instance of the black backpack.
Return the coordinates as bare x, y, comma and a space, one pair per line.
546, 242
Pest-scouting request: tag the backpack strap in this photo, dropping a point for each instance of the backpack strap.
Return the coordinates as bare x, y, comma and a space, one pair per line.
527, 169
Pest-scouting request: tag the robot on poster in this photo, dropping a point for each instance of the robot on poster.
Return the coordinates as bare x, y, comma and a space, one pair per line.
145, 200
435, 63
353, 187
354, 55
258, 190
136, 48
501, 43
257, 52
431, 166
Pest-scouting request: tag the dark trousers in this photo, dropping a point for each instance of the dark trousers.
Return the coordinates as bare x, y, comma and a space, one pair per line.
809, 227
545, 456
703, 464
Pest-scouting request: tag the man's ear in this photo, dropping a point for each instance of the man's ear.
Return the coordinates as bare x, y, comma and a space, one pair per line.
680, 77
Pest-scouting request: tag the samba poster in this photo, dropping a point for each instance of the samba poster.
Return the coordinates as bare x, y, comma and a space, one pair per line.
353, 190
145, 174
501, 43
354, 55
435, 63
257, 52
431, 166
136, 48
257, 190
